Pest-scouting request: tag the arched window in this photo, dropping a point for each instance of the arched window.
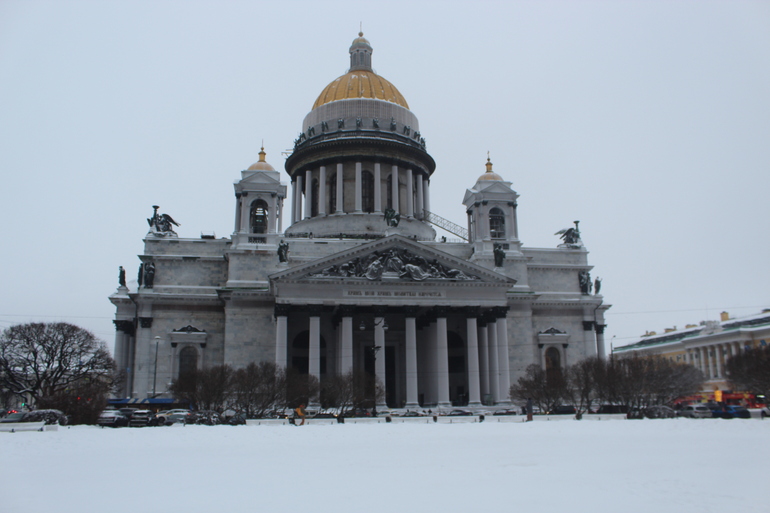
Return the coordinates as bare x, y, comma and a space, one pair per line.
332, 193
188, 360
496, 224
314, 203
367, 191
258, 217
552, 359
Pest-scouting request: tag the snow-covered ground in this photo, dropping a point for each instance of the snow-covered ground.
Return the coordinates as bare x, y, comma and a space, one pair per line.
679, 465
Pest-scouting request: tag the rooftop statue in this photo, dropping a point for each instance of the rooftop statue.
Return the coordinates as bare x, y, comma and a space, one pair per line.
499, 253
585, 282
392, 218
160, 224
283, 251
571, 237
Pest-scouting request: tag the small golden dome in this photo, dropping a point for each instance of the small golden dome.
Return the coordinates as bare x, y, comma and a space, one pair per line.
261, 165
361, 39
489, 174
360, 84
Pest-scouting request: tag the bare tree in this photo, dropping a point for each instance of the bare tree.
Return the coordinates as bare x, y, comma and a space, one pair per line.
83, 402
580, 390
40, 360
750, 370
353, 390
258, 388
300, 388
546, 388
638, 382
205, 389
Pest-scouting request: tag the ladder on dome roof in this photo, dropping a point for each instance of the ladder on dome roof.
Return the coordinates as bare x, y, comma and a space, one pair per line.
446, 224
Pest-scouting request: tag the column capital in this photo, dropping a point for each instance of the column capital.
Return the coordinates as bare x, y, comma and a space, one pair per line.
145, 322
471, 311
600, 328
411, 311
487, 317
315, 310
281, 310
500, 311
346, 310
441, 311
588, 325
126, 327
379, 310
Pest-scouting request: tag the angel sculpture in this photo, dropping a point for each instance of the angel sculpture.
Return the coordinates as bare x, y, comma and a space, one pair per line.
160, 224
392, 218
571, 236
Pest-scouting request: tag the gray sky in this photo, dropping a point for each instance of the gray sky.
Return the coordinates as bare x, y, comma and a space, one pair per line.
647, 121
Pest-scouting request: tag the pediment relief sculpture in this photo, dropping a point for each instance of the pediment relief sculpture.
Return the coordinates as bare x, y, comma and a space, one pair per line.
395, 263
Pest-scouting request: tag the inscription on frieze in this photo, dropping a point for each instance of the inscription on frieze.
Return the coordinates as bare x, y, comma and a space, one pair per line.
389, 293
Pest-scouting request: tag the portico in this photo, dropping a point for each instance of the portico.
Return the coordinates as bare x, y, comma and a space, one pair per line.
427, 326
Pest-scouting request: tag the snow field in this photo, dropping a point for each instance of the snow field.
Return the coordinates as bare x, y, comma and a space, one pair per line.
681, 465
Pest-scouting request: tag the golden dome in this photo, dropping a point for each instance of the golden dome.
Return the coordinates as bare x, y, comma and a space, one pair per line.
261, 165
360, 84
489, 174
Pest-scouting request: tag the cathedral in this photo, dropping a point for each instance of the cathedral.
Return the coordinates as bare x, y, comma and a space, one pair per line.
355, 277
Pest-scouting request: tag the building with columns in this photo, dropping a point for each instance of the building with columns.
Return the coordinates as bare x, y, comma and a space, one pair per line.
355, 278
707, 345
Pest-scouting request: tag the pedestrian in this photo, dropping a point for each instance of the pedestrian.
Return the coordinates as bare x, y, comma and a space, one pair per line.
529, 409
300, 412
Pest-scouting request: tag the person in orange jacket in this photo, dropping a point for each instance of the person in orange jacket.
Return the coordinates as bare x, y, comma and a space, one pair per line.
300, 412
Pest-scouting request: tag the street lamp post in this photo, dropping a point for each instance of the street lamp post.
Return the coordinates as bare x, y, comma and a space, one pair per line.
374, 350
155, 373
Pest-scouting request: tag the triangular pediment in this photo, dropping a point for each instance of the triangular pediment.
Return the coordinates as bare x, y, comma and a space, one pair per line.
490, 188
260, 177
494, 187
393, 258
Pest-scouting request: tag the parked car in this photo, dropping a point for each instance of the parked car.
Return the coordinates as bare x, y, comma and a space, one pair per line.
564, 409
168, 417
731, 412
695, 411
142, 418
128, 412
357, 412
203, 417
112, 418
505, 412
765, 412
414, 413
612, 408
659, 412
239, 419
460, 413
13, 417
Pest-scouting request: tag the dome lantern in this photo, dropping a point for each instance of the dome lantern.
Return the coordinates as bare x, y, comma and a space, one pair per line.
360, 54
261, 164
489, 174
